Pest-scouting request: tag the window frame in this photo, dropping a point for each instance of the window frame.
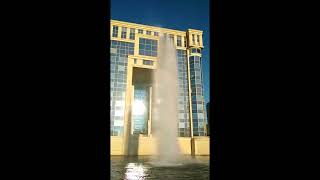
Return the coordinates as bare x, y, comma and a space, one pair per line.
179, 41
148, 47
132, 34
115, 29
198, 39
123, 33
193, 39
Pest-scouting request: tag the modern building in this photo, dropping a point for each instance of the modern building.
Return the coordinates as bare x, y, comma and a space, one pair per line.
134, 52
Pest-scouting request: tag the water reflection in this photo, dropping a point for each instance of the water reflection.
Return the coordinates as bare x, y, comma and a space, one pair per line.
146, 167
135, 171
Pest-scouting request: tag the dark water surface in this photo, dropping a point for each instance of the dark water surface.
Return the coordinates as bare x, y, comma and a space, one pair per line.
147, 167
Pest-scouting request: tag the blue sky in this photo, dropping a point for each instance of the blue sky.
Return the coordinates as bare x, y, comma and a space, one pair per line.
174, 14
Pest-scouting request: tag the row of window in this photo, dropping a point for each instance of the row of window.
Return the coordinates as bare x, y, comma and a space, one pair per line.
115, 32
147, 62
141, 31
179, 40
144, 62
194, 41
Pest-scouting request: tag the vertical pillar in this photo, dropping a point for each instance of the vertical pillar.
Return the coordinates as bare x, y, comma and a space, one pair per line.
190, 106
150, 111
132, 104
189, 93
128, 104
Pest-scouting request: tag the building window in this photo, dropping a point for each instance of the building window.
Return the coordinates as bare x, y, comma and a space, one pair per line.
132, 33
140, 31
149, 32
148, 47
193, 41
171, 36
124, 33
135, 61
195, 50
179, 41
156, 33
147, 62
185, 41
115, 31
198, 39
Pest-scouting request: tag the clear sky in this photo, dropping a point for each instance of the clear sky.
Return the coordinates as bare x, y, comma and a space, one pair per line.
173, 14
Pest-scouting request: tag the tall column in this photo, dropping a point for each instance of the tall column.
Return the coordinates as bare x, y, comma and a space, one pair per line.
150, 111
131, 117
128, 105
189, 95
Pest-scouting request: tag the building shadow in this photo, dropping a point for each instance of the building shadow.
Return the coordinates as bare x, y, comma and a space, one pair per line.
133, 139
133, 144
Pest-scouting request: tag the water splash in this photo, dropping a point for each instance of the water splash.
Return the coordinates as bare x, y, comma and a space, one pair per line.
165, 115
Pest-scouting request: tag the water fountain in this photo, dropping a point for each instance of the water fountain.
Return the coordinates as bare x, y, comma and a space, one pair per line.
165, 115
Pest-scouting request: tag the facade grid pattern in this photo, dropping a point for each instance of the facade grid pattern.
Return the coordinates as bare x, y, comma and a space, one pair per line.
183, 96
198, 111
148, 47
118, 79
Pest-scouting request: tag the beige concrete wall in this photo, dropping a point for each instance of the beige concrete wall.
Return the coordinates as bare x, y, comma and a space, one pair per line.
116, 145
201, 145
185, 145
148, 146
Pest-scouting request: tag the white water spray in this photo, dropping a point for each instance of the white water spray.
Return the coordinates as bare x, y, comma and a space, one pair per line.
165, 115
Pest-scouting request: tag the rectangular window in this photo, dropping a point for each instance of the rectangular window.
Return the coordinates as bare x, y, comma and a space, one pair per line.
148, 47
115, 31
132, 33
149, 32
171, 36
198, 39
156, 33
194, 50
124, 33
200, 107
135, 61
193, 40
140, 31
185, 41
147, 62
179, 41
200, 116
